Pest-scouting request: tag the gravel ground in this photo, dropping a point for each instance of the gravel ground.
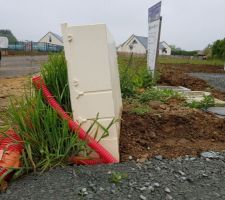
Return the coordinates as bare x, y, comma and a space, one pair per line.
181, 178
215, 80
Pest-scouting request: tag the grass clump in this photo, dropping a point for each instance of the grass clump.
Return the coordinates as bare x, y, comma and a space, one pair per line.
47, 139
195, 61
154, 94
208, 101
134, 75
54, 73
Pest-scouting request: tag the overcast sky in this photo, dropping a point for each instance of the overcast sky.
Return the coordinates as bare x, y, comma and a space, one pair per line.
189, 24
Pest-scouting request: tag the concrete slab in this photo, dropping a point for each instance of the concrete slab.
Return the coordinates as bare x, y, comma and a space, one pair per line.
217, 110
175, 88
197, 96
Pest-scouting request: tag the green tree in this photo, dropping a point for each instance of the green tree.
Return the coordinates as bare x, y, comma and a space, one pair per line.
9, 35
218, 49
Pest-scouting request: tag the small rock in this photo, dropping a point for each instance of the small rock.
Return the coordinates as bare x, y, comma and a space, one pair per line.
167, 190
143, 188
113, 191
210, 154
51, 191
142, 197
192, 158
156, 184
84, 189
101, 189
90, 196
130, 157
181, 173
148, 148
169, 197
159, 157
184, 178
151, 188
158, 168
129, 196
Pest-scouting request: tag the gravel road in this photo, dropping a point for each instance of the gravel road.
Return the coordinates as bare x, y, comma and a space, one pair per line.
215, 80
14, 66
181, 178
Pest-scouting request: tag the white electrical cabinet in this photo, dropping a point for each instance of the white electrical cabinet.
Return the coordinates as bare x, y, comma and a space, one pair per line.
94, 79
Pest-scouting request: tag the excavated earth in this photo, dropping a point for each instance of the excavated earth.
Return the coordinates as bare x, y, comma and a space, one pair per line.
172, 130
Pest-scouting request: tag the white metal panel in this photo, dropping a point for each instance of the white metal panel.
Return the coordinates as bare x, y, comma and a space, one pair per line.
88, 105
4, 42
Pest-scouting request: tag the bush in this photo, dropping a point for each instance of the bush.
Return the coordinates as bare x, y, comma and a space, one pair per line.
218, 49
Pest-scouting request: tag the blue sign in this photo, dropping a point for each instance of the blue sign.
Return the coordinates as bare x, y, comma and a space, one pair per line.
154, 12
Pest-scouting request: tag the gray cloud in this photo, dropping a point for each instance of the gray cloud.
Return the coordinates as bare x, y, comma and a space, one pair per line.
189, 24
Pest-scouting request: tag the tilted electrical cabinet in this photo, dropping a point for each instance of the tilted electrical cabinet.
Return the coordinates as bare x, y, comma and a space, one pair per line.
94, 80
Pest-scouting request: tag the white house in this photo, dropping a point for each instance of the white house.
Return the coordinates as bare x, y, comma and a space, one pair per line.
52, 38
139, 45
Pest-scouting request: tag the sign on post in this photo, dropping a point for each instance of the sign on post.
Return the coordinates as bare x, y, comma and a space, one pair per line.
154, 28
4, 42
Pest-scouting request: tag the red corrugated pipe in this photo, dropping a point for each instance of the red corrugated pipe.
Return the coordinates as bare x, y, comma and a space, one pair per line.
11, 147
105, 156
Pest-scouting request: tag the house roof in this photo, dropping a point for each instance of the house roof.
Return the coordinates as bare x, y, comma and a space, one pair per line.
55, 35
144, 41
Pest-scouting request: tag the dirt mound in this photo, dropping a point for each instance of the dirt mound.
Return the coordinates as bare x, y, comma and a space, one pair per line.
171, 133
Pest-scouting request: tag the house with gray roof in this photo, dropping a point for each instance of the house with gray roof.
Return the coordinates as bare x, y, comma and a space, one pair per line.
139, 45
52, 38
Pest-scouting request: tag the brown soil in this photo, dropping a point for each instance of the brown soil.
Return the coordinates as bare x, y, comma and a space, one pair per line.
10, 87
177, 75
172, 130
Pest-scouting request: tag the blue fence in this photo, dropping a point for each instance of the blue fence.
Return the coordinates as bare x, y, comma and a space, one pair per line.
35, 46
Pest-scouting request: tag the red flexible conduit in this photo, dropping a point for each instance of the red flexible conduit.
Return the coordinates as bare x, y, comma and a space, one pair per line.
105, 156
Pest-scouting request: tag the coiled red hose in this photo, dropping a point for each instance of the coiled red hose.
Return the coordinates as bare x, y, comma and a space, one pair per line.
105, 156
9, 142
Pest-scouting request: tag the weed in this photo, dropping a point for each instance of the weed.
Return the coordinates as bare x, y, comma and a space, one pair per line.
154, 94
117, 177
141, 109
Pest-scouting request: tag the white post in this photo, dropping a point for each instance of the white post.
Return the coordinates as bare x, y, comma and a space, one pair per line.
94, 79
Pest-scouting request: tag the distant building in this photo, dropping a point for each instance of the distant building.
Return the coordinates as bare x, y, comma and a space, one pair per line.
52, 38
139, 45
